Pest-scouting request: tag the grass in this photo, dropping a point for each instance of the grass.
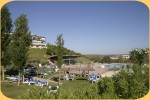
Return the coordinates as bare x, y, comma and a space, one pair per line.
38, 55
13, 91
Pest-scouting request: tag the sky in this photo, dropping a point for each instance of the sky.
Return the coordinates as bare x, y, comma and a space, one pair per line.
88, 27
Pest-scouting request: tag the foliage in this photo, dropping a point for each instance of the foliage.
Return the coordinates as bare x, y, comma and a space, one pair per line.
59, 52
90, 92
59, 49
21, 41
95, 58
87, 92
6, 28
137, 84
83, 59
106, 59
11, 71
129, 83
121, 84
106, 88
139, 56
52, 50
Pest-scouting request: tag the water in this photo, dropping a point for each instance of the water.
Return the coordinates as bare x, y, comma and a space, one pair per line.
116, 65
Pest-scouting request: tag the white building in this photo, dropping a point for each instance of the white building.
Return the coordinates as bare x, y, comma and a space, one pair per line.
38, 42
114, 57
126, 56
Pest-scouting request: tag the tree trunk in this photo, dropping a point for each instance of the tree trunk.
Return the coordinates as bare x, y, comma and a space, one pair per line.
3, 73
19, 79
59, 78
23, 78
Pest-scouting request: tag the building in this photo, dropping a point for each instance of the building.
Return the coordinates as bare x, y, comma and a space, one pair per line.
67, 59
38, 42
114, 57
126, 56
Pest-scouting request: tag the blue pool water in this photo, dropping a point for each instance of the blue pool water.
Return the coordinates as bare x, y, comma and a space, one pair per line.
116, 65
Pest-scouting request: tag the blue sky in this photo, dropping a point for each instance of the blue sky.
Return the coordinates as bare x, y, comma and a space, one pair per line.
88, 27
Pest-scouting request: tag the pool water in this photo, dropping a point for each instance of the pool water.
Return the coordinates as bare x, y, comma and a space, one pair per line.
116, 65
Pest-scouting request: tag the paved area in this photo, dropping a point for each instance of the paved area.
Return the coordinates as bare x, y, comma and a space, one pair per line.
44, 80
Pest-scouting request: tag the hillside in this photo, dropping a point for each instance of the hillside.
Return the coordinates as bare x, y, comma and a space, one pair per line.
42, 55
37, 55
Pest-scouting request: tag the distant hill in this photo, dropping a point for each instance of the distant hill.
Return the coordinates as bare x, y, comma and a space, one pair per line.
102, 55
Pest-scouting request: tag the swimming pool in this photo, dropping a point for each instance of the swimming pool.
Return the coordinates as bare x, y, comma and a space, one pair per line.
116, 65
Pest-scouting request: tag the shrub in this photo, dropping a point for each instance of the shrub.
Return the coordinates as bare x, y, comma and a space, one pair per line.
106, 87
87, 92
131, 83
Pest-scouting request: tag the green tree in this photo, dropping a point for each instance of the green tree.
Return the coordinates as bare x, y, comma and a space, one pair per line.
59, 44
139, 56
6, 29
21, 40
51, 50
106, 59
96, 58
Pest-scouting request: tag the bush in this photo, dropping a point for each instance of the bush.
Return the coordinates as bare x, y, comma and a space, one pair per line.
56, 79
106, 88
11, 72
131, 83
121, 84
79, 93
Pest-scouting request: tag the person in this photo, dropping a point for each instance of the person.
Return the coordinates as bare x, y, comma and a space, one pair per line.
67, 72
83, 74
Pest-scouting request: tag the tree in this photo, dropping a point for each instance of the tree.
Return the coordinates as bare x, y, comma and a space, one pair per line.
139, 56
51, 50
96, 58
21, 40
6, 28
59, 44
106, 59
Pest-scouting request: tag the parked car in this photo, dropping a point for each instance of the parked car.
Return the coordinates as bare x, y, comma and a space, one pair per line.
32, 72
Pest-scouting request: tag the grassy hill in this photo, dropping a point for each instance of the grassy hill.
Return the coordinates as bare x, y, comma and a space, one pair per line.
37, 55
40, 56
